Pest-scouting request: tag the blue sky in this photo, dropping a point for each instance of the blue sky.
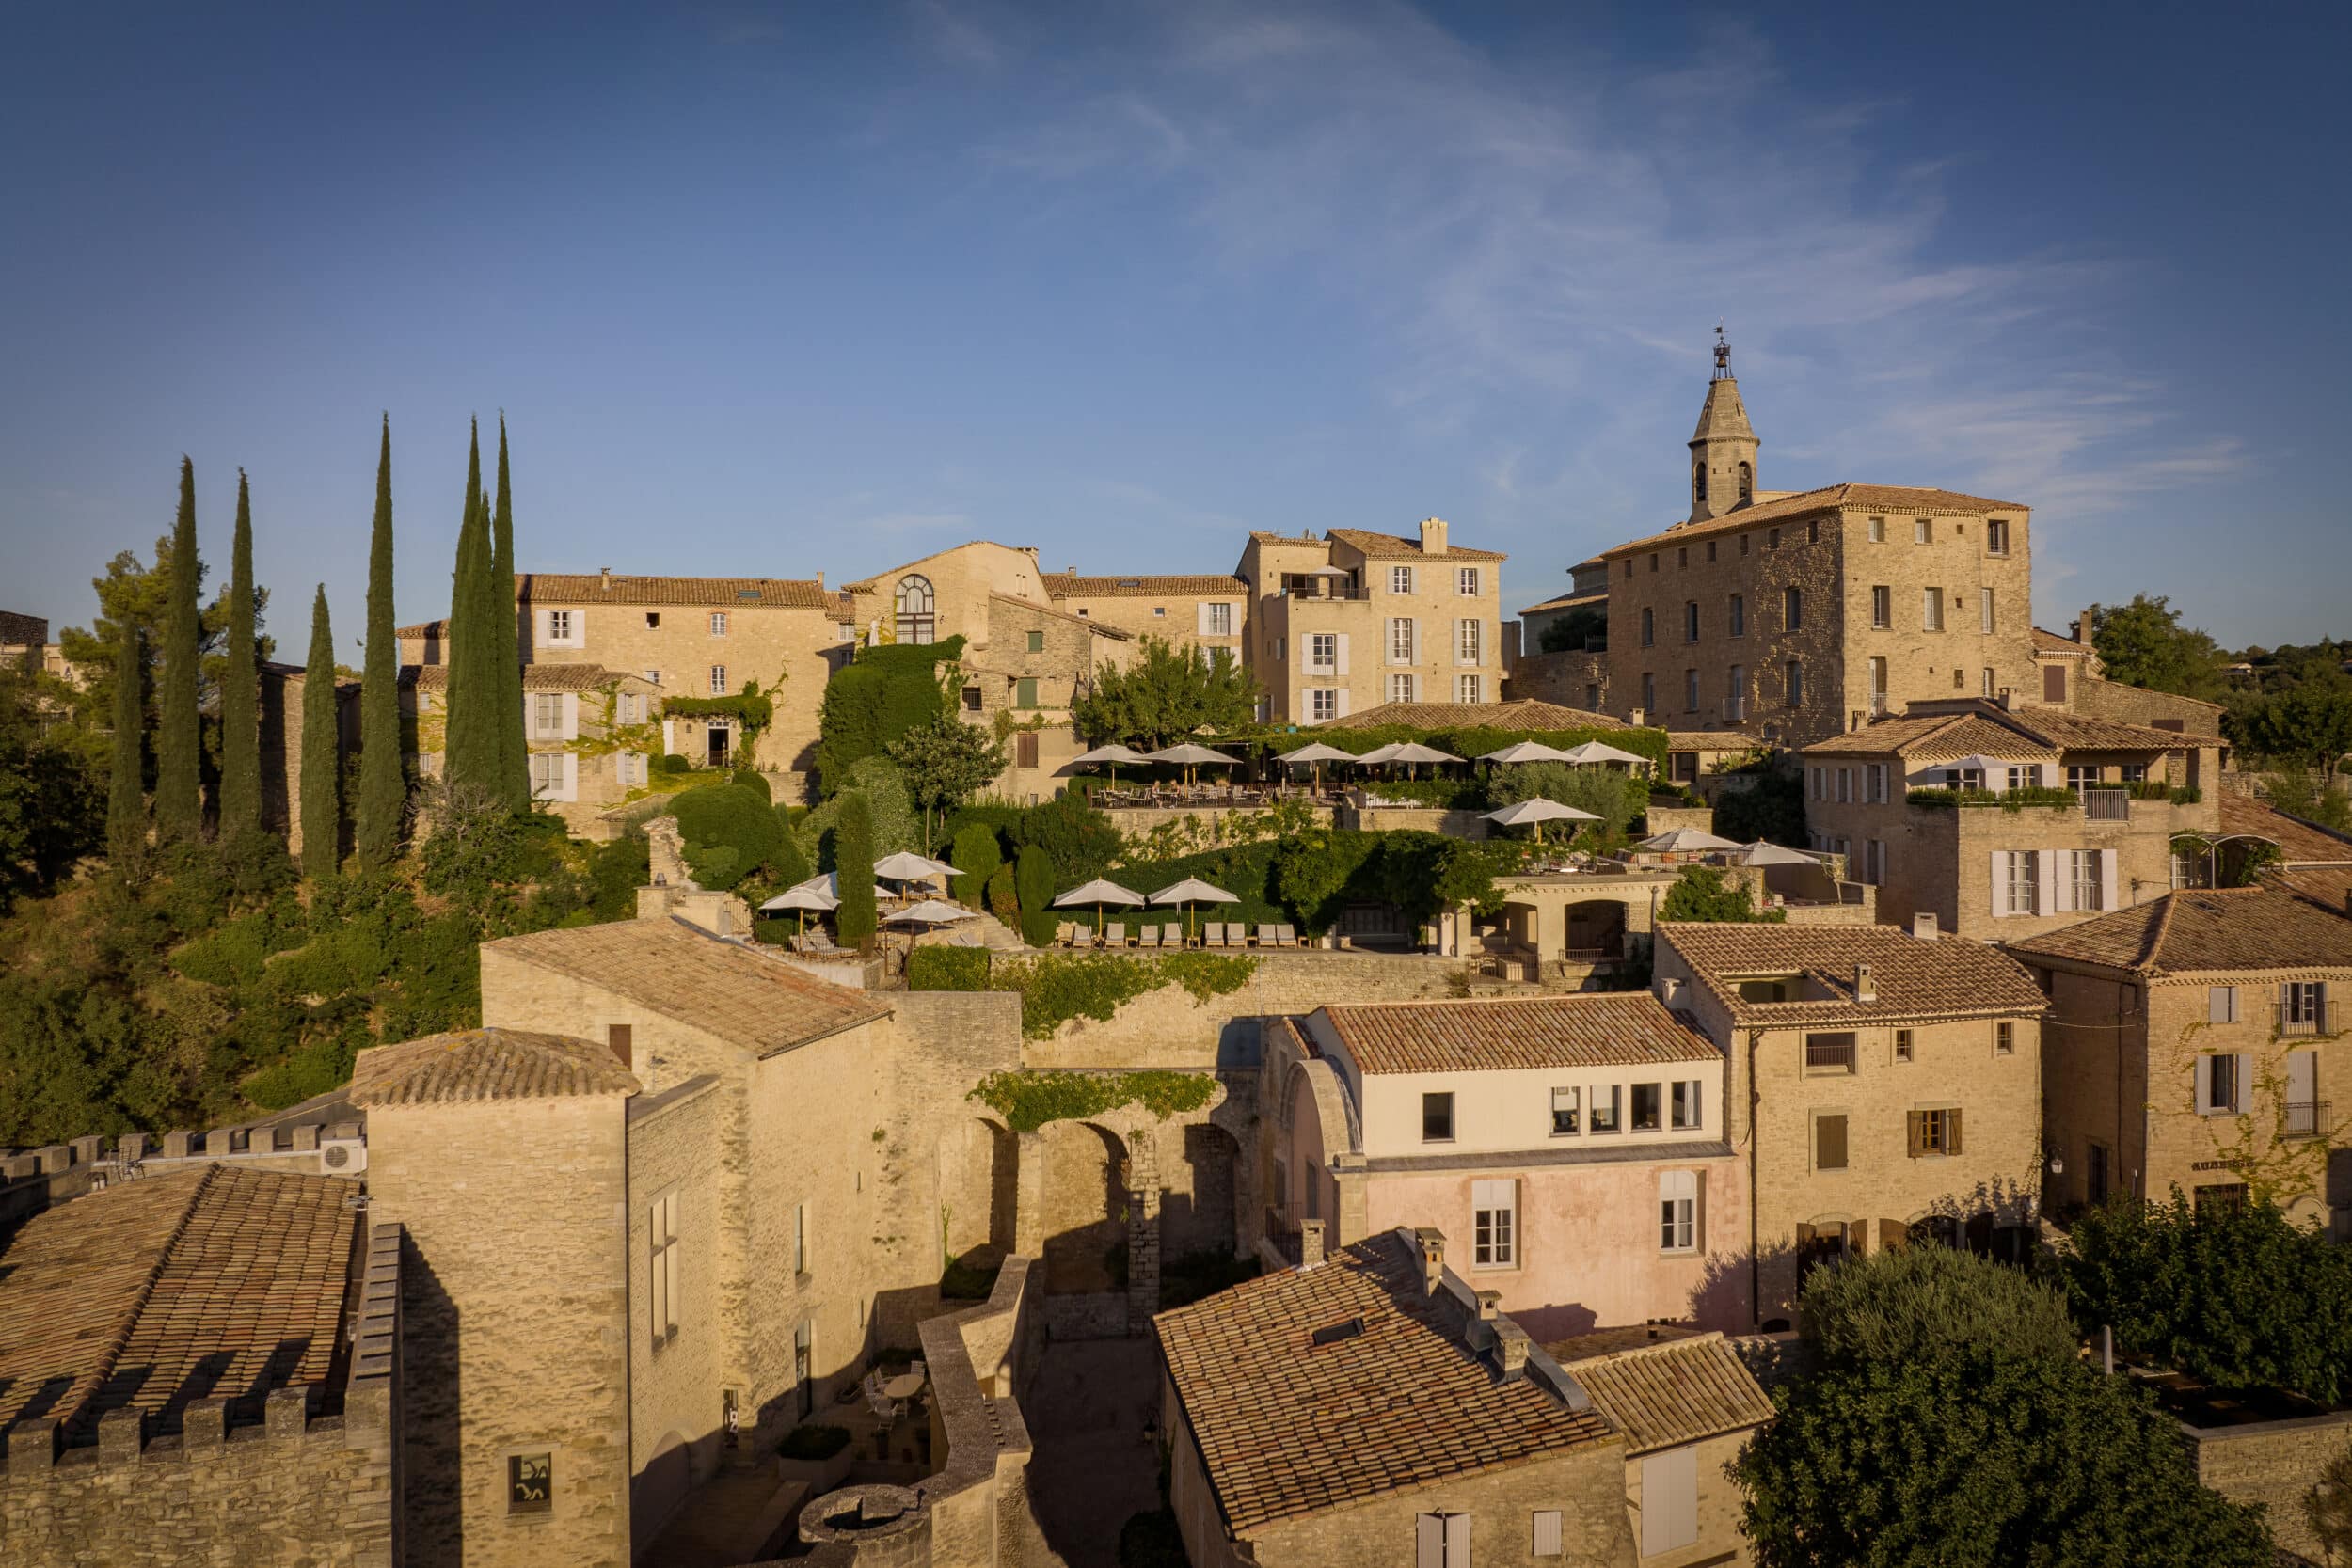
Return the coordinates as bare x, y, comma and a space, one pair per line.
771, 291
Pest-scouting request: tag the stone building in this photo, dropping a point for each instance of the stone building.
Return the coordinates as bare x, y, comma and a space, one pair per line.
1549, 1134
1036, 661
1886, 1086
1356, 619
1371, 1406
2195, 1044
2072, 676
592, 734
1203, 610
1519, 713
687, 637
1685, 1407
1980, 850
198, 1364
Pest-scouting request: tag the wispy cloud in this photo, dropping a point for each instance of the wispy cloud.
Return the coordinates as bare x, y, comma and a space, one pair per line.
1539, 248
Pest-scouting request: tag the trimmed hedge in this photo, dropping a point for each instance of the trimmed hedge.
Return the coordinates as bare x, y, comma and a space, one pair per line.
880, 696
948, 969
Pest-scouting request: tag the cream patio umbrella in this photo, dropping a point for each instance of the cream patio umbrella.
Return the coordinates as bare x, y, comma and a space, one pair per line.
1189, 892
1191, 756
1113, 753
1686, 841
1537, 811
1763, 853
1526, 751
908, 866
1098, 892
804, 898
1317, 752
1408, 752
930, 911
1594, 752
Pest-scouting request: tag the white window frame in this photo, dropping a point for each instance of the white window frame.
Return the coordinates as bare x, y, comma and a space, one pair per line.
547, 716
718, 680
1220, 619
1466, 582
1322, 651
2083, 880
1468, 690
661, 1219
1469, 642
1402, 639
718, 622
1322, 703
1401, 688
1984, 610
1686, 1104
1400, 580
1678, 1212
1931, 610
1495, 1223
559, 627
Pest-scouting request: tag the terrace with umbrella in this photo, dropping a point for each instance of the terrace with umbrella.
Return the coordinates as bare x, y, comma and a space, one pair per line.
1190, 894
1098, 894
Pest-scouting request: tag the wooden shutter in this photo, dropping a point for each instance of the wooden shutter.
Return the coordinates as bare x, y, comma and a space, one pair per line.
1547, 1532
2000, 882
1457, 1540
1342, 640
1829, 1143
1894, 1235
1912, 1123
2047, 860
2204, 1084
2220, 1004
2054, 683
1429, 1542
621, 1038
1024, 749
1670, 1499
2245, 1079
1203, 617
1951, 1130
1805, 1237
570, 708
2106, 879
569, 788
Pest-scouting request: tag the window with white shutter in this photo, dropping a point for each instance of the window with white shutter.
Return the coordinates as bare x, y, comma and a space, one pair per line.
1678, 1209
1470, 643
547, 775
1400, 640
547, 716
1547, 1533
2221, 1003
1400, 580
1466, 582
1322, 703
662, 1226
1468, 690
1494, 1223
1670, 1499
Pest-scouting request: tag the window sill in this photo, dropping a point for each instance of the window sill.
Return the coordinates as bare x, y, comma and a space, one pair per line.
1677, 1252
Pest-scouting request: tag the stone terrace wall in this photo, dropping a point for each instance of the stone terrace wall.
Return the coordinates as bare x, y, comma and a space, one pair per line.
2273, 1463
323, 1491
1168, 1028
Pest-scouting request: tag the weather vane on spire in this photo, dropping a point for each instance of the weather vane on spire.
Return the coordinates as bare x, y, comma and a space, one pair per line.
1723, 352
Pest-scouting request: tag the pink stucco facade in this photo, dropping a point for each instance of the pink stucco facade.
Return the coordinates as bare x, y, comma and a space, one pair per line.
1589, 1254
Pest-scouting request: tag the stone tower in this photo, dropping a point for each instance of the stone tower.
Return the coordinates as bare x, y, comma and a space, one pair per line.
1723, 450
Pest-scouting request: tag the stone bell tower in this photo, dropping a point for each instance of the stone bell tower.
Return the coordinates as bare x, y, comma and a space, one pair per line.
1723, 451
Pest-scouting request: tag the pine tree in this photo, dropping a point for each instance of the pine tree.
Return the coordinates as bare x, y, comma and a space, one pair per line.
241, 687
383, 794
180, 740
470, 743
322, 753
514, 748
126, 804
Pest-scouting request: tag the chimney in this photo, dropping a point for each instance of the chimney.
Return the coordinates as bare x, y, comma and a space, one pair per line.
2083, 624
604, 578
1638, 718
1489, 1305
1923, 925
1865, 986
1310, 1244
1432, 1242
1511, 1350
1432, 536
820, 579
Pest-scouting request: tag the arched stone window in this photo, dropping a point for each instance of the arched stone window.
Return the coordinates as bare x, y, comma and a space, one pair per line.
1698, 483
1747, 483
918, 619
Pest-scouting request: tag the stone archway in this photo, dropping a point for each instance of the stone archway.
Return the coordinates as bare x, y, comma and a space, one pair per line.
979, 1180
1084, 1216
1199, 1185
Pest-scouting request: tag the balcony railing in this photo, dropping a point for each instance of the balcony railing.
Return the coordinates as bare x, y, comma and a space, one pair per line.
1829, 1052
2306, 1017
2107, 805
2306, 1119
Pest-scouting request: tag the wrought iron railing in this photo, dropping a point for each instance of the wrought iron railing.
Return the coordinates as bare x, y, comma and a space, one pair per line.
2306, 1017
2107, 805
2306, 1119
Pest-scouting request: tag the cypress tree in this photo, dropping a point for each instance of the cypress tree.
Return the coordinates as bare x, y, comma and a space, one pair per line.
179, 740
383, 795
322, 753
241, 688
513, 749
470, 747
855, 918
126, 803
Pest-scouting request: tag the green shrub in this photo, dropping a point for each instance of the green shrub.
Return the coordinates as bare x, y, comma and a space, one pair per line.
880, 696
1615, 797
1003, 902
1928, 1301
1055, 988
753, 780
948, 969
976, 855
1029, 1100
1702, 893
856, 919
1772, 809
670, 761
726, 816
1033, 888
1079, 841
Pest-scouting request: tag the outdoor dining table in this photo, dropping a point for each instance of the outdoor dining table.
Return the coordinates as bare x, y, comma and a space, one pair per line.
905, 1386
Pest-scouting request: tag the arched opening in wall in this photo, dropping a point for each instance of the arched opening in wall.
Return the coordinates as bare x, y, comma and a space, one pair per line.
978, 1179
1086, 1209
663, 1485
1596, 930
1196, 1204
1747, 483
917, 618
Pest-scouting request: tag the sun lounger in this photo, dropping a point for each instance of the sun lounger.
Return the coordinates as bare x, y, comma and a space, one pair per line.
1284, 936
1148, 937
1114, 934
1269, 936
1212, 933
1062, 932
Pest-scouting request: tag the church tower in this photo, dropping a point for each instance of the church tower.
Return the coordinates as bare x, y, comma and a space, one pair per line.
1722, 451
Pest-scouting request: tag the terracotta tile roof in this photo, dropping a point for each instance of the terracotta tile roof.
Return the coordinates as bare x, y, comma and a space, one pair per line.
2051, 642
735, 991
486, 1064
536, 677
1305, 541
199, 1282
1387, 547
1712, 740
2204, 930
1948, 977
23, 631
2031, 733
588, 588
1566, 601
422, 628
1664, 1395
2300, 841
1894, 499
1581, 1029
1068, 585
1527, 713
1101, 628
1287, 1428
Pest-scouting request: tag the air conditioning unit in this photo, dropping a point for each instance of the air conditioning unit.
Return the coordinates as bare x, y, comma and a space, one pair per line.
344, 1156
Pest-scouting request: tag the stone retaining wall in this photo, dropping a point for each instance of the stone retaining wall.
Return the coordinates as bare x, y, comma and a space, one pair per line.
2275, 1464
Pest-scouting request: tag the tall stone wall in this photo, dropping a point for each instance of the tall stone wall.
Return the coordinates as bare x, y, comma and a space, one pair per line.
318, 1490
2275, 1464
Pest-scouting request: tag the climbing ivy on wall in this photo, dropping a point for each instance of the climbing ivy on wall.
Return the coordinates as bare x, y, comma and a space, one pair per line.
1029, 1100
1055, 988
